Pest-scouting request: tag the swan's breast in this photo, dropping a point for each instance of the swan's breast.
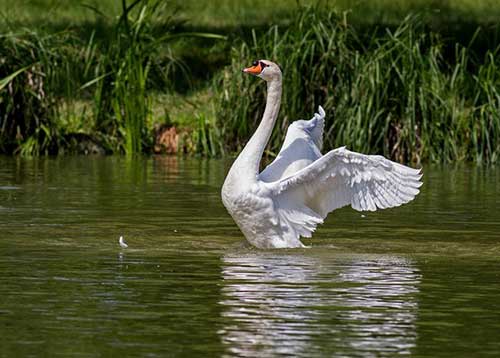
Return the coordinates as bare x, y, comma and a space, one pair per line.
252, 209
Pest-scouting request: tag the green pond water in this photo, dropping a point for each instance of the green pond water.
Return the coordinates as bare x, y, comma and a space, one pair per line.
421, 280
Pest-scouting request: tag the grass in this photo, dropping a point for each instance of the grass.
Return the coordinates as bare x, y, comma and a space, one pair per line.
27, 94
393, 93
113, 74
420, 89
252, 13
124, 65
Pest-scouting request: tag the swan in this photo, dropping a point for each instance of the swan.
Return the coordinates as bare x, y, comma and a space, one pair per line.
292, 195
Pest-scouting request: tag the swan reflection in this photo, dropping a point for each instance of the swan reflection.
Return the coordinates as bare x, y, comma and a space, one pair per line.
297, 305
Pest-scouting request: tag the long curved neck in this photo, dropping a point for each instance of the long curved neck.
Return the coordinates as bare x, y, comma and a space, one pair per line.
248, 162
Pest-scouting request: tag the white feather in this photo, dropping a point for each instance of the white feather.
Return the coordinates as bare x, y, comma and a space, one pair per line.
122, 242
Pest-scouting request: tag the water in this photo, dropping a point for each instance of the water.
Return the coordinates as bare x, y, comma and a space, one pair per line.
421, 280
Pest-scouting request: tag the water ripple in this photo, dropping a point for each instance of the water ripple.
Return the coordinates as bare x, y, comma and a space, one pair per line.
279, 304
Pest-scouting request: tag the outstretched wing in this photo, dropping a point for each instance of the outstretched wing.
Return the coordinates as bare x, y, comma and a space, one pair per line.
301, 147
342, 177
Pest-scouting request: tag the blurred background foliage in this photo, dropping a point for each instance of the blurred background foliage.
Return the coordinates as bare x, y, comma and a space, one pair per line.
414, 80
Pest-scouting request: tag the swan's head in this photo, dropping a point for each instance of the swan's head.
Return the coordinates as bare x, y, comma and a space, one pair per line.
264, 69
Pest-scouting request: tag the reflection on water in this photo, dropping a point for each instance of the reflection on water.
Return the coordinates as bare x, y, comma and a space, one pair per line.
297, 305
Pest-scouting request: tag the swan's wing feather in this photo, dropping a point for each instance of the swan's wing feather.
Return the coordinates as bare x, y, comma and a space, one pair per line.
317, 126
301, 147
342, 177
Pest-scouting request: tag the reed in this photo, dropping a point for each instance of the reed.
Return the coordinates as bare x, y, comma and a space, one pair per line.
115, 74
121, 77
407, 92
44, 71
140, 45
391, 94
28, 92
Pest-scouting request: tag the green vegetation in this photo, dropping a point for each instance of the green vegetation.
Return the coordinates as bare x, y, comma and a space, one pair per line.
392, 94
107, 74
225, 14
27, 92
122, 68
94, 90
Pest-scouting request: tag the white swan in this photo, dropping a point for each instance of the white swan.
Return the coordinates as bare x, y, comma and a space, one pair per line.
301, 186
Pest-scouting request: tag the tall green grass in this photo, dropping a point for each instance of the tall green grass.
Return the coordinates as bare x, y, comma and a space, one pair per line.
139, 46
406, 93
122, 83
123, 66
392, 94
28, 87
116, 74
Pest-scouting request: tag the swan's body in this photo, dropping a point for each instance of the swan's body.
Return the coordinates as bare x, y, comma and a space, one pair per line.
301, 186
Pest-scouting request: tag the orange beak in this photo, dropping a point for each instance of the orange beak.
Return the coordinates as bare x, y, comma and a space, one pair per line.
254, 70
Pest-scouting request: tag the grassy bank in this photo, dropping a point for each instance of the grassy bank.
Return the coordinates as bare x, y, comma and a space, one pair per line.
62, 88
101, 78
251, 13
393, 94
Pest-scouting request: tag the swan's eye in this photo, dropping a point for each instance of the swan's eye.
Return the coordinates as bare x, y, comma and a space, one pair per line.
263, 65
